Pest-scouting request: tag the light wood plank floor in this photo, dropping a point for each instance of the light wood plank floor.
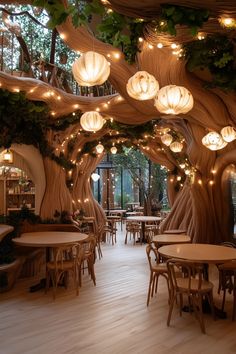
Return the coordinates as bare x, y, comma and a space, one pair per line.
109, 318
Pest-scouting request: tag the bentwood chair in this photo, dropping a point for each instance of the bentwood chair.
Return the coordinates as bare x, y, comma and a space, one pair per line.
65, 260
88, 258
188, 281
225, 277
133, 229
156, 269
227, 272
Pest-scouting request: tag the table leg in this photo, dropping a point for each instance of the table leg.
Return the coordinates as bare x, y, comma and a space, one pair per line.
42, 283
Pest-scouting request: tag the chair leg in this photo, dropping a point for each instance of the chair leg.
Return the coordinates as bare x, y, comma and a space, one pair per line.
149, 288
197, 305
172, 301
234, 296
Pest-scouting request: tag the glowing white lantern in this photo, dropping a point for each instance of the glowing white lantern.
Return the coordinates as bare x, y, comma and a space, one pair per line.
167, 139
99, 148
228, 134
91, 69
174, 99
95, 177
214, 141
176, 146
92, 121
113, 150
8, 156
142, 86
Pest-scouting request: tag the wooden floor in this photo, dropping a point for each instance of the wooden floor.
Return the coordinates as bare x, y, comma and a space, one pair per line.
109, 318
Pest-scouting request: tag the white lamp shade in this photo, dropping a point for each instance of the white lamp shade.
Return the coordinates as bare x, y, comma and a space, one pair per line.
95, 177
176, 146
99, 148
113, 150
228, 134
142, 86
91, 69
174, 99
167, 139
7, 156
214, 141
92, 121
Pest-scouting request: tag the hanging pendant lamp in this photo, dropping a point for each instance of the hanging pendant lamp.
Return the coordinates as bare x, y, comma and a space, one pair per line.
174, 99
91, 69
142, 86
228, 134
167, 139
214, 141
176, 146
99, 148
92, 121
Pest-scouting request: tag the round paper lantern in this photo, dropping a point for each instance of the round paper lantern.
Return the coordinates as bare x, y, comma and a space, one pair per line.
91, 69
113, 150
167, 139
95, 177
142, 86
176, 146
91, 121
99, 148
228, 134
174, 99
214, 141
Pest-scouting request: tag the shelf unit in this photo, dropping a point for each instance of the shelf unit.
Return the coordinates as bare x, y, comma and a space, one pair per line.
15, 195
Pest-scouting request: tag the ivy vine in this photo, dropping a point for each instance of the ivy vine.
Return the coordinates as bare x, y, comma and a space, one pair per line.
130, 135
27, 122
122, 31
216, 53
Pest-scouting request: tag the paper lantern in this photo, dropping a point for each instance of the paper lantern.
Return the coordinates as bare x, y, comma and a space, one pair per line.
228, 134
174, 99
167, 139
92, 121
113, 150
99, 148
91, 69
214, 141
176, 146
95, 177
142, 86
8, 156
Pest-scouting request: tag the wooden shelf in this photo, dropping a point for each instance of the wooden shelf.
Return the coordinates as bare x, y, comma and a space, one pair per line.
20, 193
15, 209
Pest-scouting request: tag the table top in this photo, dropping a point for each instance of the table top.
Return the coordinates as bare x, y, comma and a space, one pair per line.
4, 230
144, 218
117, 211
202, 253
49, 238
175, 231
167, 239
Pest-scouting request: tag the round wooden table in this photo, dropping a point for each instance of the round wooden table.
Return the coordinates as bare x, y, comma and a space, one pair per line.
175, 231
143, 219
49, 238
201, 253
168, 239
198, 252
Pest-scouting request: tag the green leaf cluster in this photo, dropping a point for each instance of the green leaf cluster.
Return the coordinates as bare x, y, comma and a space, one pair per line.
180, 15
27, 122
215, 53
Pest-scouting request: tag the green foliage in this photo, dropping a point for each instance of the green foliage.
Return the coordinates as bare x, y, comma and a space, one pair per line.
216, 53
179, 15
129, 133
27, 122
7, 248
